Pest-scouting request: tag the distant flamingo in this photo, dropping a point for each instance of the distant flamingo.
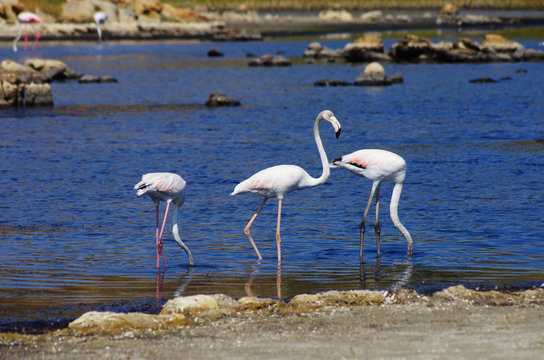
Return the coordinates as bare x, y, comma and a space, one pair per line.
25, 19
100, 17
276, 181
378, 166
169, 188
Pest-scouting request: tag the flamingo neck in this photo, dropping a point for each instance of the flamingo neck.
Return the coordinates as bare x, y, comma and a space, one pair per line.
393, 210
322, 155
175, 231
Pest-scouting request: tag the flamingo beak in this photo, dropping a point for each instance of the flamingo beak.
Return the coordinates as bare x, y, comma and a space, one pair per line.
338, 133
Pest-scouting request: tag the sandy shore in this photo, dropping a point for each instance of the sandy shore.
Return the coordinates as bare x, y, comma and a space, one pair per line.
449, 327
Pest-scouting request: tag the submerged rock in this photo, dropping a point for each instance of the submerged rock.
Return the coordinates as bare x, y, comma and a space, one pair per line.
217, 100
374, 75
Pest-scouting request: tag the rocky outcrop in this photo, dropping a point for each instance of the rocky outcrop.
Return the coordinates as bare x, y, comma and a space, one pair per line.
21, 85
220, 100
270, 60
412, 48
364, 49
192, 310
374, 75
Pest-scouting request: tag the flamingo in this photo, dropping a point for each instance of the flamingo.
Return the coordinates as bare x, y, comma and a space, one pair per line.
170, 188
276, 181
100, 17
378, 166
24, 19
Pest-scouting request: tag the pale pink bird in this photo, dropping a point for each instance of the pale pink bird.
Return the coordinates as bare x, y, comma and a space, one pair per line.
378, 166
170, 188
25, 19
276, 181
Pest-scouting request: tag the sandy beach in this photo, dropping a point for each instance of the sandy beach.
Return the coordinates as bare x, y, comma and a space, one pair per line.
449, 326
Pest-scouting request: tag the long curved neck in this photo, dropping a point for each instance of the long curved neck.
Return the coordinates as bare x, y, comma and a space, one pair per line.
175, 231
393, 210
322, 155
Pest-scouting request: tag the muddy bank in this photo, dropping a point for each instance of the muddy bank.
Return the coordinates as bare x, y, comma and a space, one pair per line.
454, 323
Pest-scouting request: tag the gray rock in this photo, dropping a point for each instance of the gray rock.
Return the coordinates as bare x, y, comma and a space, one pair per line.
218, 100
38, 95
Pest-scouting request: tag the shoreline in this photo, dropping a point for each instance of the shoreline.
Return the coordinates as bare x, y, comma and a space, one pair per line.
252, 27
453, 323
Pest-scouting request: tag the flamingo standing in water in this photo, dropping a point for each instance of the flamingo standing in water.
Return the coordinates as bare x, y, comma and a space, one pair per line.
276, 181
100, 17
170, 188
379, 166
25, 19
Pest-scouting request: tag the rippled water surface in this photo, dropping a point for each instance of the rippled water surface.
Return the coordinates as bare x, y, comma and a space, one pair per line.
75, 237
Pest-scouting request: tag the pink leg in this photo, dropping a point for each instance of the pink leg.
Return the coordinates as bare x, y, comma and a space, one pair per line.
36, 39
246, 229
26, 36
278, 237
162, 231
157, 237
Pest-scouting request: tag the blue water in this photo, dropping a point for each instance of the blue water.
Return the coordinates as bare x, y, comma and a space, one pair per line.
75, 237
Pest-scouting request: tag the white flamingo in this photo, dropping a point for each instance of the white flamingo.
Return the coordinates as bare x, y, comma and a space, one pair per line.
170, 188
378, 166
100, 17
276, 181
25, 19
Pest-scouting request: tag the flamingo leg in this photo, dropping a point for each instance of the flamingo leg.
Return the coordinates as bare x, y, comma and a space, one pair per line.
278, 237
246, 229
26, 36
157, 236
377, 221
159, 245
362, 224
37, 37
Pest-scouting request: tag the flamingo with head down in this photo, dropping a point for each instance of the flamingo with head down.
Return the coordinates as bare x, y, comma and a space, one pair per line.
378, 166
169, 188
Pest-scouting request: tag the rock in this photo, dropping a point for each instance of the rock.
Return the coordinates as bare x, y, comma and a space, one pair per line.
483, 80
325, 82
337, 298
498, 43
255, 303
217, 100
270, 60
78, 11
374, 75
335, 15
411, 48
38, 95
366, 48
9, 9
461, 294
533, 55
189, 304
213, 52
109, 323
17, 73
371, 16
367, 42
317, 51
108, 79
51, 69
465, 43
450, 9
374, 69
89, 79
173, 13
11, 94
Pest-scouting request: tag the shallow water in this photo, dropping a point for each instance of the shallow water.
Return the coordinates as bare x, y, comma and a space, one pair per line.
75, 237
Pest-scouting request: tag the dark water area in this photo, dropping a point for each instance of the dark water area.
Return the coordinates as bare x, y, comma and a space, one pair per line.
74, 237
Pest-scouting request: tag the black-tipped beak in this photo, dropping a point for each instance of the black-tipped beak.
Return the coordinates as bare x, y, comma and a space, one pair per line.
338, 133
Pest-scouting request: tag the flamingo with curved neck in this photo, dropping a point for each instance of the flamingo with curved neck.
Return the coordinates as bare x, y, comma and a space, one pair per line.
277, 181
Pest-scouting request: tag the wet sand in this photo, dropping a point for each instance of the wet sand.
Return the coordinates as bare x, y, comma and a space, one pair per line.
419, 329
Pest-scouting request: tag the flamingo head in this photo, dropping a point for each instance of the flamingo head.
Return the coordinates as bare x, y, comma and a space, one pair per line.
329, 117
